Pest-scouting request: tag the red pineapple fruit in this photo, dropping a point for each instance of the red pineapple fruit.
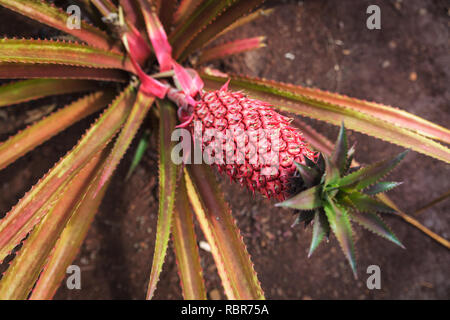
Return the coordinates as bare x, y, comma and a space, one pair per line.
239, 134
259, 147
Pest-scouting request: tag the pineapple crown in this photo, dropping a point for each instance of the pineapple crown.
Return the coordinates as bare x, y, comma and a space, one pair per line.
337, 194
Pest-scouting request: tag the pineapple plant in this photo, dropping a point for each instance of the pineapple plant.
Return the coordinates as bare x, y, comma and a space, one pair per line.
151, 54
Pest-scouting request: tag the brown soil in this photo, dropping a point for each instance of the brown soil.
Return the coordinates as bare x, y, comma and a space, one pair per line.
405, 64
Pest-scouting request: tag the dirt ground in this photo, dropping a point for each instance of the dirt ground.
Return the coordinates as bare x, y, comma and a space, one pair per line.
405, 64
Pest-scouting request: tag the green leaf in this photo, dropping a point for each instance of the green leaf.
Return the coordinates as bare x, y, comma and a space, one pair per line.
69, 242
242, 21
184, 10
310, 176
36, 134
285, 98
231, 48
339, 156
340, 224
365, 203
138, 113
139, 153
381, 187
24, 270
27, 90
321, 228
202, 16
12, 70
167, 186
56, 52
230, 13
331, 172
186, 248
305, 200
233, 262
26, 213
50, 15
374, 223
367, 176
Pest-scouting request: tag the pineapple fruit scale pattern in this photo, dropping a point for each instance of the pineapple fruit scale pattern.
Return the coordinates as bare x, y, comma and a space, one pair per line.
250, 142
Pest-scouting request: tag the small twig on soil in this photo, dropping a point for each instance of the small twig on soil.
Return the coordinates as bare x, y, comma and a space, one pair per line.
432, 203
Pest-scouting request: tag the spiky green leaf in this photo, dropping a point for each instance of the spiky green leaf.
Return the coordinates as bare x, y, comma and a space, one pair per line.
374, 223
331, 172
364, 203
137, 115
305, 200
69, 242
139, 153
367, 176
340, 224
310, 175
381, 187
12, 70
26, 214
167, 186
41, 131
231, 48
230, 13
321, 228
186, 248
339, 156
27, 90
203, 15
48, 14
56, 52
233, 262
24, 270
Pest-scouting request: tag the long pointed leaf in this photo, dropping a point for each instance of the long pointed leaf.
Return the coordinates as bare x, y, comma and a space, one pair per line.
184, 10
414, 222
319, 142
242, 21
340, 151
50, 15
69, 242
167, 186
138, 113
41, 131
186, 248
321, 228
25, 214
233, 262
375, 224
390, 114
203, 15
57, 52
367, 176
231, 48
381, 187
364, 203
220, 22
27, 90
305, 200
340, 224
24, 270
11, 70
291, 101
